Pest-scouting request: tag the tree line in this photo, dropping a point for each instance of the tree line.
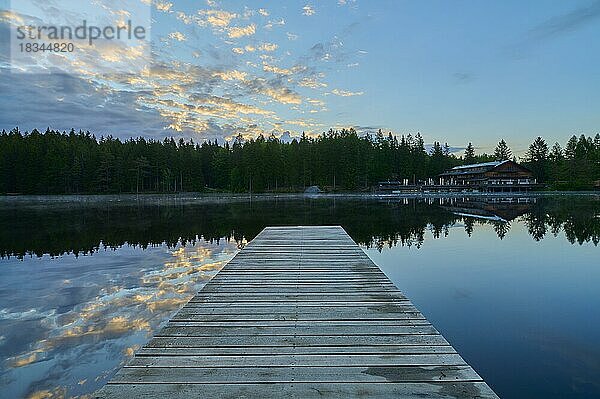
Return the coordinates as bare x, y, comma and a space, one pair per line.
57, 162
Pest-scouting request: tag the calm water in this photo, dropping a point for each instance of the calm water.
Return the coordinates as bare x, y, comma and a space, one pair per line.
511, 283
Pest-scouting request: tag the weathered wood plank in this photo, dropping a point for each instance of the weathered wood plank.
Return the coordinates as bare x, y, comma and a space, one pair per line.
299, 292
395, 308
299, 350
225, 302
300, 297
349, 324
343, 390
298, 340
183, 330
258, 374
250, 281
249, 317
387, 360
300, 312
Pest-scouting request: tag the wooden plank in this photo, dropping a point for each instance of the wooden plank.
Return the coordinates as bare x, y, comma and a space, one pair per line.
375, 297
249, 317
330, 310
388, 360
300, 312
268, 293
185, 330
299, 350
302, 290
340, 308
311, 390
250, 280
293, 323
296, 374
390, 306
298, 340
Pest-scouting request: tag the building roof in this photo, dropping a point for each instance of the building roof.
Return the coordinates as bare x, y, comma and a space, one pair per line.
492, 164
474, 168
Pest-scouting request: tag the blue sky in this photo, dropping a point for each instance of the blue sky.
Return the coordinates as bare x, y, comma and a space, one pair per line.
456, 71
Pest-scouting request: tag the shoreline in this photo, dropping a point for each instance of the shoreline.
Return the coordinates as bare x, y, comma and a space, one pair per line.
192, 197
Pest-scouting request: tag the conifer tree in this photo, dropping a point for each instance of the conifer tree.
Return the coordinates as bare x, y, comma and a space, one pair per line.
502, 152
469, 157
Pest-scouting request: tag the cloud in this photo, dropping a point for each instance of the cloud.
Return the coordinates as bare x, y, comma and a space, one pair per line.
231, 75
63, 101
333, 50
463, 77
308, 10
286, 137
215, 105
283, 95
180, 37
185, 18
315, 101
303, 122
567, 22
163, 6
10, 17
555, 27
345, 93
312, 83
250, 88
172, 96
268, 47
237, 32
270, 24
218, 18
276, 69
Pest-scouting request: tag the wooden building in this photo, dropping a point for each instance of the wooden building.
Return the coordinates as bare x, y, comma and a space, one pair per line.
497, 176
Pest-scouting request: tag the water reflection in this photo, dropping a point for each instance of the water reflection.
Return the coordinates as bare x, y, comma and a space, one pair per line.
84, 229
83, 286
66, 331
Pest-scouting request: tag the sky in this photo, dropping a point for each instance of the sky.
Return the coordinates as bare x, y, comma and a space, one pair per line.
455, 71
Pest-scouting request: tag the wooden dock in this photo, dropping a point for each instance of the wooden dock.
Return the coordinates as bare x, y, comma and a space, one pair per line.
300, 312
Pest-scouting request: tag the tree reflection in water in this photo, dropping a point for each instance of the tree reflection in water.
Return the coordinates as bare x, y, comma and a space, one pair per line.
89, 314
30, 230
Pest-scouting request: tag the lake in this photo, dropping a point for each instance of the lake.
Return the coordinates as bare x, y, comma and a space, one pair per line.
511, 282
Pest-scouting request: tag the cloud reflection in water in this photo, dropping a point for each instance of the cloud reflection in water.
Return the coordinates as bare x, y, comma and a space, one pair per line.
72, 323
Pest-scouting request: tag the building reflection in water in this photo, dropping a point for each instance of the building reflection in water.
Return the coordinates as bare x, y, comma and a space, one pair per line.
83, 287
